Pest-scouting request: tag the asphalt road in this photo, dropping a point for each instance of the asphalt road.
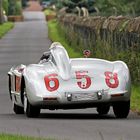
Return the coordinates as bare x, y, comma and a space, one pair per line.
25, 44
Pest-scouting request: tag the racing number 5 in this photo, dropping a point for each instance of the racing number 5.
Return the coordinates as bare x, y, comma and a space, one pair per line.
85, 80
51, 82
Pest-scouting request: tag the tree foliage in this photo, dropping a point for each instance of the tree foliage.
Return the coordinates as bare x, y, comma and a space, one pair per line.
72, 4
89, 4
119, 7
105, 7
5, 5
24, 3
15, 7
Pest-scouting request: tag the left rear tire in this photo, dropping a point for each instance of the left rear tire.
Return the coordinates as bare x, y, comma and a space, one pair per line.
30, 110
17, 109
10, 87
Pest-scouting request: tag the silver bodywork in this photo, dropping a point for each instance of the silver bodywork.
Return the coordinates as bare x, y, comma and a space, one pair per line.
60, 82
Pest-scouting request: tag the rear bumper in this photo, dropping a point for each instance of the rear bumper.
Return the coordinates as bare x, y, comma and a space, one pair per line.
62, 101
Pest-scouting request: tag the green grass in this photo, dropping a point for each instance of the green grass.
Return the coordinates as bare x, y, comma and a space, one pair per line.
135, 98
58, 36
49, 12
16, 137
4, 28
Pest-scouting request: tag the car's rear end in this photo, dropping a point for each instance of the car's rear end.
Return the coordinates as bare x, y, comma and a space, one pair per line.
62, 83
95, 81
90, 81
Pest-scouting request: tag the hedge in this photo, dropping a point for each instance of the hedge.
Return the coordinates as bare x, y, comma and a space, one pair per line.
15, 7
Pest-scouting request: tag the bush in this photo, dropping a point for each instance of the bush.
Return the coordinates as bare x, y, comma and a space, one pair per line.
18, 8
15, 7
5, 6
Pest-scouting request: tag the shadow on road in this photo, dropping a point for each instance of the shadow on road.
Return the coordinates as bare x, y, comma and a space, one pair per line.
78, 116
70, 116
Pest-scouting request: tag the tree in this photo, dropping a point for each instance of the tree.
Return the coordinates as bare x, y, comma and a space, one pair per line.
57, 3
119, 7
12, 4
24, 3
1, 12
72, 4
105, 7
136, 7
5, 5
15, 7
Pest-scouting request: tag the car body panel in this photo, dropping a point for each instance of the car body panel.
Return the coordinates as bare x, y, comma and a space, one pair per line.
52, 81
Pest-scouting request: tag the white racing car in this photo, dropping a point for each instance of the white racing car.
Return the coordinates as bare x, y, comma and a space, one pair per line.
58, 82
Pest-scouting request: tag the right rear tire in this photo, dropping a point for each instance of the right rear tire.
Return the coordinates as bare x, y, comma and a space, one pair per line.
121, 109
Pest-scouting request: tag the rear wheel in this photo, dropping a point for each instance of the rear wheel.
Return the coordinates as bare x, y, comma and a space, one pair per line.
103, 109
121, 109
17, 109
30, 111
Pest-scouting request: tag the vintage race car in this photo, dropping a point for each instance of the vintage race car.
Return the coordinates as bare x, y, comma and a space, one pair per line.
58, 82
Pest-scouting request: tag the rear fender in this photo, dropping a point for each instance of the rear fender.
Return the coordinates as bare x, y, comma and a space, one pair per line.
124, 79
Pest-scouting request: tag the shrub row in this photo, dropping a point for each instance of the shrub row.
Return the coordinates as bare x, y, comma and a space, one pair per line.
12, 7
113, 38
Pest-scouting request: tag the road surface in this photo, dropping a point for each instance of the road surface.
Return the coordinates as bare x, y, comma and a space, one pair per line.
25, 44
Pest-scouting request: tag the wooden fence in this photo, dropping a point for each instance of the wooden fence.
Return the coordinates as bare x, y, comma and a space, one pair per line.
109, 38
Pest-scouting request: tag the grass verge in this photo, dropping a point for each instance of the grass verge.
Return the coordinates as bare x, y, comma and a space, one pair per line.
55, 34
4, 28
16, 137
135, 98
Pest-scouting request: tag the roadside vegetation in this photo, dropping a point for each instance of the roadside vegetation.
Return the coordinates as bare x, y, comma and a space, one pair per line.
16, 137
135, 104
49, 12
56, 34
4, 28
13, 7
101, 7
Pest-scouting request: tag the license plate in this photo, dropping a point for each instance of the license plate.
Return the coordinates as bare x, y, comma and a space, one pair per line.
83, 96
